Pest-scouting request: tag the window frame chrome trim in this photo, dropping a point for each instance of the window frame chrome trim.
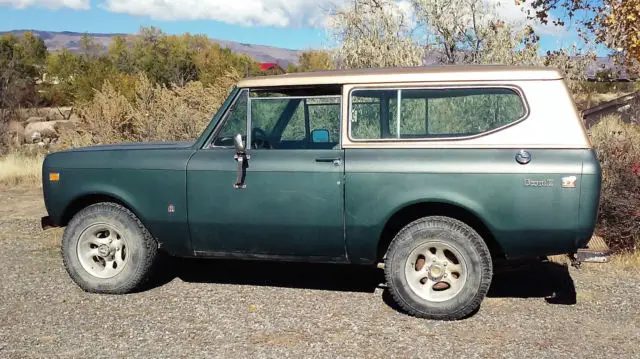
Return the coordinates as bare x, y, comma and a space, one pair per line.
297, 97
208, 144
514, 88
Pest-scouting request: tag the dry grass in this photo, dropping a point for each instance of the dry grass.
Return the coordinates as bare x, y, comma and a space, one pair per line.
629, 261
21, 169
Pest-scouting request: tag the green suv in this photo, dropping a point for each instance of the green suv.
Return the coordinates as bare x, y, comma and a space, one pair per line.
433, 173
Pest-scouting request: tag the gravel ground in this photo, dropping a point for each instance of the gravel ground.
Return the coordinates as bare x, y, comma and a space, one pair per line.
198, 308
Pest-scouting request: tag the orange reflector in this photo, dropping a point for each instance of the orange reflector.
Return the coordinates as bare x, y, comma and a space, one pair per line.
54, 177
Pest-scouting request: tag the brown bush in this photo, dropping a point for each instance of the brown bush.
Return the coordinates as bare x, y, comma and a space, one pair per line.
618, 147
154, 113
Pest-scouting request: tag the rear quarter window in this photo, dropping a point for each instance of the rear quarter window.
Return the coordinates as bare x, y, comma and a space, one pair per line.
430, 113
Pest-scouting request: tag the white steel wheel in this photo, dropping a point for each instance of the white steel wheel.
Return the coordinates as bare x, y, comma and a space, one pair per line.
102, 251
438, 268
106, 249
436, 271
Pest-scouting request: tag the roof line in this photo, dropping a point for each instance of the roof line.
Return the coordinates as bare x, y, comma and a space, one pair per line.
441, 73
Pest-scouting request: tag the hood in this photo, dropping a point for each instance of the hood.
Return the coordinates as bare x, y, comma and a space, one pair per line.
135, 146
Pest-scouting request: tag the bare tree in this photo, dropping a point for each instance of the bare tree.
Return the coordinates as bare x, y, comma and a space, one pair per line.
374, 33
378, 33
457, 28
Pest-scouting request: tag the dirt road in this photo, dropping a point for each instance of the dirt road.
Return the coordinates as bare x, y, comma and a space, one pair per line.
252, 309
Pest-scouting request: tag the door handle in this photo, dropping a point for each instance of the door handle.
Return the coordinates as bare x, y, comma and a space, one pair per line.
241, 174
335, 161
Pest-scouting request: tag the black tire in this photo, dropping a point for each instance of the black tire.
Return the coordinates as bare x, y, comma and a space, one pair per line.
462, 238
141, 249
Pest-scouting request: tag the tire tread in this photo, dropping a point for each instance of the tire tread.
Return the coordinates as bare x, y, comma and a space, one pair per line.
403, 237
150, 247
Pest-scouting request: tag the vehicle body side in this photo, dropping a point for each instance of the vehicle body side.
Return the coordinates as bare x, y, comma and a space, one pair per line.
145, 180
480, 177
475, 178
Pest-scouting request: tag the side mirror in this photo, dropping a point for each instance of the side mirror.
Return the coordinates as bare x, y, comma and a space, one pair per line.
237, 141
320, 136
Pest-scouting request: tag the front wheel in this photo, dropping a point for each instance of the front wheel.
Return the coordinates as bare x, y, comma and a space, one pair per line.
106, 249
438, 268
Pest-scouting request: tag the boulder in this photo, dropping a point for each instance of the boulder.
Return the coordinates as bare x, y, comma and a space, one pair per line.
35, 137
36, 130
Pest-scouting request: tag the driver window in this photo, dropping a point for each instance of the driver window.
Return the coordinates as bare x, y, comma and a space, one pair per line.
295, 122
269, 118
235, 122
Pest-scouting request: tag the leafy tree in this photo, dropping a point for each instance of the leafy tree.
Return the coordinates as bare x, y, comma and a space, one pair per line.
315, 60
21, 63
614, 23
121, 55
292, 68
33, 53
61, 70
213, 62
90, 49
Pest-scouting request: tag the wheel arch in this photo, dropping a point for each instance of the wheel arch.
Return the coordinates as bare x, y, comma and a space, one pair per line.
85, 200
413, 211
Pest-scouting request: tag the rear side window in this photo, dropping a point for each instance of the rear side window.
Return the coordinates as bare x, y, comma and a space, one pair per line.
432, 113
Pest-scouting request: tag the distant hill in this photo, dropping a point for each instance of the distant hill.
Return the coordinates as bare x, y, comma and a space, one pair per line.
56, 41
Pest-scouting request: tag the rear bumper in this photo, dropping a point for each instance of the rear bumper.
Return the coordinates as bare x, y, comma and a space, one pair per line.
47, 223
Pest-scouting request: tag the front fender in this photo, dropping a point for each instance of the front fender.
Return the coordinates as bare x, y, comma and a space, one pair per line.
156, 195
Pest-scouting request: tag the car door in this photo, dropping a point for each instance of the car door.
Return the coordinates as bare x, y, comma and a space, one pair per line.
291, 205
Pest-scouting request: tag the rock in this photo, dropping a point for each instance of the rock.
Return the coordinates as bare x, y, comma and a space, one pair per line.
47, 129
35, 137
36, 119
44, 129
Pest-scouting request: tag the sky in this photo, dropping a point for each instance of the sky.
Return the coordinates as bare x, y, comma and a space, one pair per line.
292, 24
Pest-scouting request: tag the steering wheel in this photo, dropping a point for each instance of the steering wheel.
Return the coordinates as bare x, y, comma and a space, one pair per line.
259, 138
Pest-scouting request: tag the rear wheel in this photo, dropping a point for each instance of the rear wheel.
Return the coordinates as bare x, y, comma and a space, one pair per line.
438, 268
106, 249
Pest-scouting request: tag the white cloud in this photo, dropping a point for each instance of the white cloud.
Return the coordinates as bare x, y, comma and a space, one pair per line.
512, 13
278, 13
51, 4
